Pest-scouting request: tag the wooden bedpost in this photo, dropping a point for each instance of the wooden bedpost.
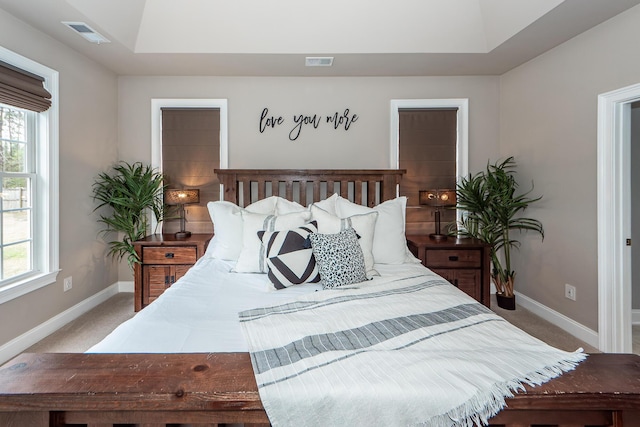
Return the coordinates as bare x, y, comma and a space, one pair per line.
229, 185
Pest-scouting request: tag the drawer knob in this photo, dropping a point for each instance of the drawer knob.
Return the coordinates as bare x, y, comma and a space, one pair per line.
453, 258
169, 255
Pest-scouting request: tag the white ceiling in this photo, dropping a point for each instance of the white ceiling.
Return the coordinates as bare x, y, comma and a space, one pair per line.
271, 38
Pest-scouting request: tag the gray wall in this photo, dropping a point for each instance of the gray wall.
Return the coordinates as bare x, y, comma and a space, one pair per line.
548, 120
543, 112
365, 145
88, 132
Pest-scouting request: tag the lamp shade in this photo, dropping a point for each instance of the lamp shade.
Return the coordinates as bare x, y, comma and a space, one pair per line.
182, 197
438, 197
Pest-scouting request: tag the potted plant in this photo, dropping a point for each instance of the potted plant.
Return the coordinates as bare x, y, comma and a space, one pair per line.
131, 191
491, 209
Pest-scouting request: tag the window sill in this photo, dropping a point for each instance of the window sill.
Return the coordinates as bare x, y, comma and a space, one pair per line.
30, 284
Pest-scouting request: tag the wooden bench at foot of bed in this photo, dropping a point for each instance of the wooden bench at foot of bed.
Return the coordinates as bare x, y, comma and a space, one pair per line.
208, 389
54, 389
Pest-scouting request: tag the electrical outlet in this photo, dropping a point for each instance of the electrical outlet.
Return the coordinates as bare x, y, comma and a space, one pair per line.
68, 283
570, 291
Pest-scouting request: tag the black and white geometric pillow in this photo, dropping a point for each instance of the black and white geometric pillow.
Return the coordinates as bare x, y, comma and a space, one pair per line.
339, 257
290, 256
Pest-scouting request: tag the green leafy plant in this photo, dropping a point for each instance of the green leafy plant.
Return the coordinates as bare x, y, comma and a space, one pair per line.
131, 191
491, 210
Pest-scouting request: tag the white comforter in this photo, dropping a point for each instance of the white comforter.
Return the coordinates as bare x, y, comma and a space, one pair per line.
199, 313
448, 373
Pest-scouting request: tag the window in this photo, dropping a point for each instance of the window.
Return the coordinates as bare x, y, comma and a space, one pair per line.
199, 216
190, 153
28, 185
429, 165
17, 178
427, 150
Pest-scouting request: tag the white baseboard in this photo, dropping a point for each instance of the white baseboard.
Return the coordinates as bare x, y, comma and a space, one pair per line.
29, 338
635, 317
576, 329
125, 286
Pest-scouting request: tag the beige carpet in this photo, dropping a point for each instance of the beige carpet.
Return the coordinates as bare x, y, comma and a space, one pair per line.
541, 329
79, 335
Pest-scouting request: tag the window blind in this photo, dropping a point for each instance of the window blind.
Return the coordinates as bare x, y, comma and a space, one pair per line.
427, 143
190, 153
427, 150
22, 89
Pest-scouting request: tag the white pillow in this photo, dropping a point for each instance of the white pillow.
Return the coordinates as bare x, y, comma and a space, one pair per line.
252, 257
364, 225
227, 226
390, 242
285, 206
328, 204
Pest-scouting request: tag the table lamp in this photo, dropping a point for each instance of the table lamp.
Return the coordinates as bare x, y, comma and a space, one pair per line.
181, 198
438, 198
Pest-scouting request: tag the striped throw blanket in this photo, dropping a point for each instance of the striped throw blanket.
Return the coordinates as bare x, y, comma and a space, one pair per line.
408, 351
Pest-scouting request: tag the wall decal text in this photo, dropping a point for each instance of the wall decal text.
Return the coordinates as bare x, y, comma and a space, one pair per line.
337, 120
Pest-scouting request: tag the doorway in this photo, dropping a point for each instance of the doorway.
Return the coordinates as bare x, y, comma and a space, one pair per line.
614, 219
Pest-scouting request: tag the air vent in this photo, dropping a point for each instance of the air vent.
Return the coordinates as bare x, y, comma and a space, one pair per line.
87, 32
318, 61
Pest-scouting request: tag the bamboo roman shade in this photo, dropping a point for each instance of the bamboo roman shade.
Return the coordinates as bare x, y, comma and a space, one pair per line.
427, 150
190, 154
22, 89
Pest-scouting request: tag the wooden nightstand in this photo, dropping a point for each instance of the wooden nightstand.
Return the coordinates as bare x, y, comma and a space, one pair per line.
465, 263
164, 259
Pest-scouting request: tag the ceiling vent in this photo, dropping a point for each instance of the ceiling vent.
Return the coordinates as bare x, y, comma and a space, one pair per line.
87, 32
318, 61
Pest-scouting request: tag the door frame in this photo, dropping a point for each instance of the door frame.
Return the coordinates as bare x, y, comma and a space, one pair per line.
614, 219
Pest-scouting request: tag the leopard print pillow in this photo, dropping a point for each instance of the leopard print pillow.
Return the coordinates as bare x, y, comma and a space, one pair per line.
339, 257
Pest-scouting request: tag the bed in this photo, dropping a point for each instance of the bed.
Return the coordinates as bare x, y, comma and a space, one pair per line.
158, 369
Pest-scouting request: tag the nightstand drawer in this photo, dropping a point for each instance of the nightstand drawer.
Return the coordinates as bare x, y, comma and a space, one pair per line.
468, 281
453, 258
164, 259
169, 255
463, 262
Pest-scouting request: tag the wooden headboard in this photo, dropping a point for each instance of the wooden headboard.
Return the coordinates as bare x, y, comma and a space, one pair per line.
363, 186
